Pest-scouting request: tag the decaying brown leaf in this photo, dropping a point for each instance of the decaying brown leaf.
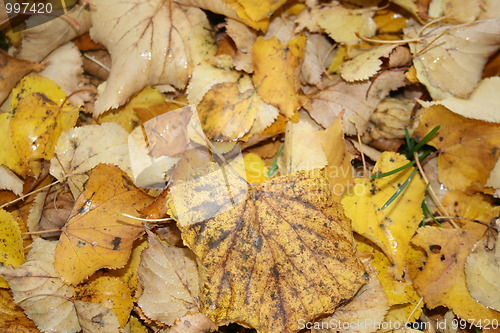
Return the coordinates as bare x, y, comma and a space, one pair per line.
282, 254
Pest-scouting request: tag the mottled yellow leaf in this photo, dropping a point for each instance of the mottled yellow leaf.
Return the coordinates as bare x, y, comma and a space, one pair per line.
9, 156
256, 170
284, 253
392, 228
96, 236
226, 114
459, 147
110, 292
274, 62
11, 243
442, 279
38, 119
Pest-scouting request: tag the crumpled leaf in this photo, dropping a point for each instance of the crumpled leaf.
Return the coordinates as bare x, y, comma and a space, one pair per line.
392, 228
39, 41
37, 121
442, 279
482, 104
11, 243
110, 292
357, 100
96, 236
482, 270
302, 149
274, 62
366, 64
368, 308
264, 269
154, 42
80, 149
450, 59
9, 181
169, 279
39, 291
65, 67
226, 114
341, 23
12, 70
459, 149
12, 317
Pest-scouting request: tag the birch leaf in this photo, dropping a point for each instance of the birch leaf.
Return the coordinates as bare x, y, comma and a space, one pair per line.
11, 243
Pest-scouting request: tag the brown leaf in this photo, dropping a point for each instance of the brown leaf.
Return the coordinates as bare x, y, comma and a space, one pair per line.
284, 253
12, 317
12, 70
96, 236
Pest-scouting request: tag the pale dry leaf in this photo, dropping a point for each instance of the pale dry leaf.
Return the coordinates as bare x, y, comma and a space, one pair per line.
315, 61
358, 100
456, 11
151, 43
39, 41
65, 67
10, 181
341, 24
489, 9
204, 77
482, 104
482, 270
243, 37
169, 279
366, 64
40, 292
81, 148
192, 323
449, 60
364, 312
36, 211
96, 318
281, 28
302, 150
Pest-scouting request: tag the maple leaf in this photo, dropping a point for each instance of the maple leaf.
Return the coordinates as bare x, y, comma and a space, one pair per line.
393, 227
459, 147
274, 62
442, 279
282, 254
154, 42
95, 236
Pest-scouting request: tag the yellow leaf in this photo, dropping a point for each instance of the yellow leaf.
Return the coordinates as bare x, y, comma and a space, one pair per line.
389, 21
13, 318
96, 236
38, 119
338, 171
260, 9
274, 62
242, 14
442, 279
282, 254
340, 57
125, 116
256, 170
9, 156
110, 292
128, 274
459, 147
226, 114
392, 228
11, 243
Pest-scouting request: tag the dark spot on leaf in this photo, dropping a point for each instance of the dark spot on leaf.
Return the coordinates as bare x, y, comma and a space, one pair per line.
80, 244
116, 243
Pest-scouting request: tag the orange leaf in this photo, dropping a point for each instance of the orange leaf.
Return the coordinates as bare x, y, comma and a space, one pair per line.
96, 236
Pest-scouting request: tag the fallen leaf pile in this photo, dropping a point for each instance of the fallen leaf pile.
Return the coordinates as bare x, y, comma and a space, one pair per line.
251, 166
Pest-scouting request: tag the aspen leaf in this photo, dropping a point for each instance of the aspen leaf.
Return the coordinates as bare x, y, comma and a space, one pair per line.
459, 148
40, 292
226, 114
38, 120
284, 253
442, 280
157, 42
392, 228
11, 243
110, 292
274, 62
12, 70
80, 149
169, 279
96, 236
450, 59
